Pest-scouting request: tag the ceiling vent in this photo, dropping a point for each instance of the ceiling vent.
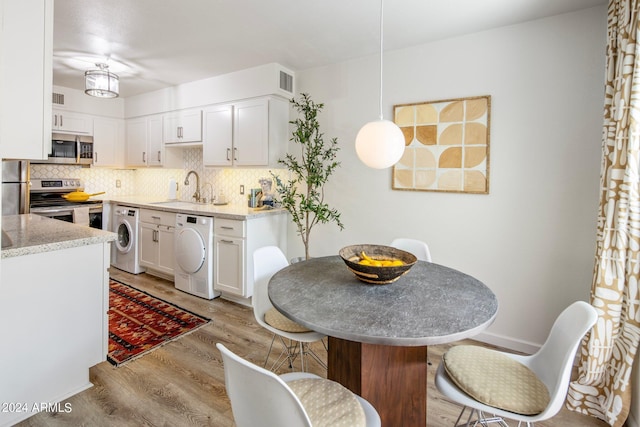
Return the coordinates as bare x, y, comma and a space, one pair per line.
286, 82
58, 98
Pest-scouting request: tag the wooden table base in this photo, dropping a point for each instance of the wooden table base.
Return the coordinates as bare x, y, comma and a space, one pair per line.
393, 379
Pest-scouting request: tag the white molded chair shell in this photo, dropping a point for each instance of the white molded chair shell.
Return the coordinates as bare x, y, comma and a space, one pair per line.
552, 364
261, 398
417, 247
267, 261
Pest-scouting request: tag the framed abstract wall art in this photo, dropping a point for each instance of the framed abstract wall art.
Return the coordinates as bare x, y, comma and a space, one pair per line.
446, 146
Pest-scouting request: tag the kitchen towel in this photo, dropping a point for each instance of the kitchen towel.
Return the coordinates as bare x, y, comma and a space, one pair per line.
81, 216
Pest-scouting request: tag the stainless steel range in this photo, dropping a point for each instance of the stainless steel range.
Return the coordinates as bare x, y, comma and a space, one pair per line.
46, 199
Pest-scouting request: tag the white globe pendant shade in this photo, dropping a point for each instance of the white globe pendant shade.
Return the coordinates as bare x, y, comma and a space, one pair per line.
380, 144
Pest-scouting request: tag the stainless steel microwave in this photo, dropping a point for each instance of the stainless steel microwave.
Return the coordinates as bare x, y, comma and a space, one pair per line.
70, 149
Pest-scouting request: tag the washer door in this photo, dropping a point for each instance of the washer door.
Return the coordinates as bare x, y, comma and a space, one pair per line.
190, 250
124, 242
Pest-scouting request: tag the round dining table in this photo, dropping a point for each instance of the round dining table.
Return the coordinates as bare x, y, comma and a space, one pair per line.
378, 334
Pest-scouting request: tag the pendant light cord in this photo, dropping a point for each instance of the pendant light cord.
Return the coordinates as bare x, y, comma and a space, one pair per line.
381, 40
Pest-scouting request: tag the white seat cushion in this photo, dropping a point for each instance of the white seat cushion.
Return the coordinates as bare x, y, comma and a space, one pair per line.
328, 403
276, 319
496, 380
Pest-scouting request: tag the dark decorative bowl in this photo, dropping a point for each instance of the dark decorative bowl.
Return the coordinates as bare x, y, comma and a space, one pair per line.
351, 256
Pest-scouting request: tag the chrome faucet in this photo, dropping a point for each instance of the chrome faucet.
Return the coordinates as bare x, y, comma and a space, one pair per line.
196, 195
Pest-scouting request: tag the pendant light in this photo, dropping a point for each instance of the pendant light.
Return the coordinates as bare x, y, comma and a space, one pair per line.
101, 83
380, 144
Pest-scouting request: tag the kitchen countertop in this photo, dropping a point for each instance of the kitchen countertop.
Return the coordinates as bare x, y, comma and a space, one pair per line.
230, 211
31, 234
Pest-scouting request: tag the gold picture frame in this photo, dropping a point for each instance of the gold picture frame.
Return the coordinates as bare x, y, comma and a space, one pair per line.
446, 145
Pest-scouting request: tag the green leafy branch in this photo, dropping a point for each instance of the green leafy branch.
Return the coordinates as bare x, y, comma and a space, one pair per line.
304, 192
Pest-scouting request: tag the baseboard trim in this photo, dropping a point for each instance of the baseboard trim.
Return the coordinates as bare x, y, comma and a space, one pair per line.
507, 343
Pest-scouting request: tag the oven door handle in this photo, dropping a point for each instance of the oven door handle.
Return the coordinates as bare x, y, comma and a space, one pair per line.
52, 211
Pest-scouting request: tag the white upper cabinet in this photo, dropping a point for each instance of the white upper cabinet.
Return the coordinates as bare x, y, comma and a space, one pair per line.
108, 142
144, 146
182, 127
70, 122
26, 38
247, 133
251, 133
217, 147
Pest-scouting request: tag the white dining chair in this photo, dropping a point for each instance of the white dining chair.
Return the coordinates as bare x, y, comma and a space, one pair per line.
267, 261
297, 399
522, 388
417, 247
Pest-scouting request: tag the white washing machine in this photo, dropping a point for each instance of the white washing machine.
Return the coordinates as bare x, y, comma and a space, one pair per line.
194, 255
125, 225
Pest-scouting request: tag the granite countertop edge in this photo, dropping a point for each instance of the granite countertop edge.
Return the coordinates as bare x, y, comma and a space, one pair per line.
229, 211
32, 234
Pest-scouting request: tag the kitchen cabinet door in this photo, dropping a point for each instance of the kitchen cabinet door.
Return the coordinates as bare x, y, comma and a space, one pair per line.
70, 122
217, 144
182, 127
155, 147
166, 250
136, 135
251, 133
148, 245
26, 40
230, 261
144, 144
157, 231
108, 139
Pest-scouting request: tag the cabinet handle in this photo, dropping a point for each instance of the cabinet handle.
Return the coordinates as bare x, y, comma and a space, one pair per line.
95, 157
144, 157
226, 241
226, 227
155, 217
159, 156
61, 120
55, 120
228, 151
235, 153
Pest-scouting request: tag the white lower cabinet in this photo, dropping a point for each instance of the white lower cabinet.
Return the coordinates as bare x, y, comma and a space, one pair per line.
235, 241
157, 233
229, 241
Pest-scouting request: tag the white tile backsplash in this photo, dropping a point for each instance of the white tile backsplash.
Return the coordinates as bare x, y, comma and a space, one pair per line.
155, 181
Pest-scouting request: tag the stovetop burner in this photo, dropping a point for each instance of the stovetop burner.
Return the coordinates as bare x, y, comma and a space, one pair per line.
46, 193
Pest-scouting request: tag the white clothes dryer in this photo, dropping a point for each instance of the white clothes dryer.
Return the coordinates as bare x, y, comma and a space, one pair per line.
194, 255
126, 226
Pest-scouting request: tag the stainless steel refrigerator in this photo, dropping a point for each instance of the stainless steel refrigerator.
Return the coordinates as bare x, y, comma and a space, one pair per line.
15, 187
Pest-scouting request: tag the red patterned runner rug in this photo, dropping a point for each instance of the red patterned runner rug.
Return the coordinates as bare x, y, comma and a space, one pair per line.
140, 323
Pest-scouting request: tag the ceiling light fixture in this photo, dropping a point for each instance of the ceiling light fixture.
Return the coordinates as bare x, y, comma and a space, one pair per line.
101, 83
380, 144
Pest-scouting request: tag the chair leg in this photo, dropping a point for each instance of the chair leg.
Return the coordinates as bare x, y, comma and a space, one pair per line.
289, 353
307, 350
481, 420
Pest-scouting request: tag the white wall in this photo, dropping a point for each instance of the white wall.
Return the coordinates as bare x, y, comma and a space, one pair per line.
532, 239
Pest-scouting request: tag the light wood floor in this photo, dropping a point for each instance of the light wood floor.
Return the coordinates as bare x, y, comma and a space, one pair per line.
182, 383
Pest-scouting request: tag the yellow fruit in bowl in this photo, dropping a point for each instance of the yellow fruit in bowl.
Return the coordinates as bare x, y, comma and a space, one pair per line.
367, 260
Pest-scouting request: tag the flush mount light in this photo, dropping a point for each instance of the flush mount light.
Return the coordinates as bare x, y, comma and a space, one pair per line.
380, 144
101, 83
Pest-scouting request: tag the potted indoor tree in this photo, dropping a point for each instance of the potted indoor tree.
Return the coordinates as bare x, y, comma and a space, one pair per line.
303, 193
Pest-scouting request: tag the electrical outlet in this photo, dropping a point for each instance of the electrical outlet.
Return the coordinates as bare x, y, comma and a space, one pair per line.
118, 183
241, 189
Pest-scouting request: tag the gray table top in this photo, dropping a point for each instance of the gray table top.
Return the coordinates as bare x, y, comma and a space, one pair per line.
429, 305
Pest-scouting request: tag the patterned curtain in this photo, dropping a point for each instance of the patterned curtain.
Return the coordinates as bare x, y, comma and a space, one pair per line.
603, 386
